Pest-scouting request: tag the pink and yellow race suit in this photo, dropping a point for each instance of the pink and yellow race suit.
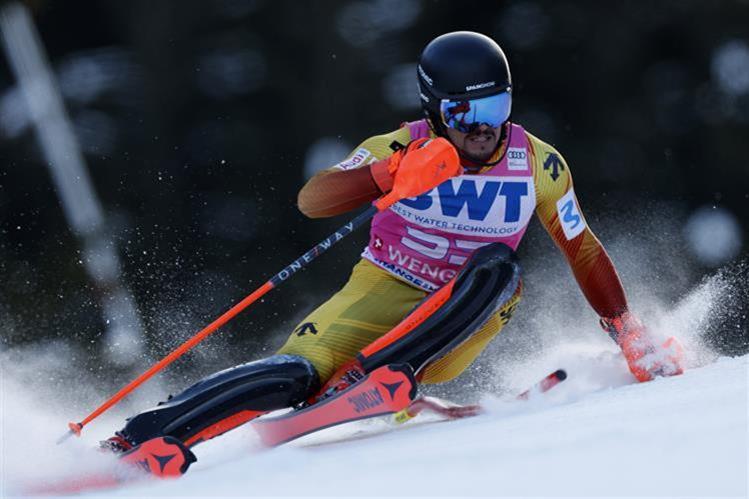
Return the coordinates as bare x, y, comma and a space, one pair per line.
425, 240
418, 244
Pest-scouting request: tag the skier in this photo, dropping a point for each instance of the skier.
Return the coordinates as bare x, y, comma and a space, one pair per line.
467, 226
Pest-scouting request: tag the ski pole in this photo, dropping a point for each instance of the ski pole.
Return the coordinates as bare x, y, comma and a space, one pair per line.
411, 179
283, 275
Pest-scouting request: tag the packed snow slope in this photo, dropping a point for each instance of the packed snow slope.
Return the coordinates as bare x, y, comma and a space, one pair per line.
595, 435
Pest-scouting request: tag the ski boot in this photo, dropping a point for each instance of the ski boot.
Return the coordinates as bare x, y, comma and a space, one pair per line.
116, 445
162, 457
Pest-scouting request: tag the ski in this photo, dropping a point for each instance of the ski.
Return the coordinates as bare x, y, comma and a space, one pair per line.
386, 390
544, 385
161, 457
451, 410
366, 399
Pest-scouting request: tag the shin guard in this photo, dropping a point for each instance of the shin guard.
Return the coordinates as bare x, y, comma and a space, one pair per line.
226, 400
451, 314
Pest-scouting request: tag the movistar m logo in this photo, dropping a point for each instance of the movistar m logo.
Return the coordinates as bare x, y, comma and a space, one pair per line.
569, 216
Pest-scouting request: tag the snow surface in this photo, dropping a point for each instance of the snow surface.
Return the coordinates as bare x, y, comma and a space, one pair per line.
595, 435
683, 436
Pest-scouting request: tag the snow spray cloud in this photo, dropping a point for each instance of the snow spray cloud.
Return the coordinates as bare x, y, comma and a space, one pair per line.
46, 384
42, 387
35, 394
554, 327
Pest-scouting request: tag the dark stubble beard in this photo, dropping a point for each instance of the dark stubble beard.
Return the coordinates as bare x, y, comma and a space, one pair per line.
490, 146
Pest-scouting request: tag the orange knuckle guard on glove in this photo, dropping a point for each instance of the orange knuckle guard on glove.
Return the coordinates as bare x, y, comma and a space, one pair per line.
420, 167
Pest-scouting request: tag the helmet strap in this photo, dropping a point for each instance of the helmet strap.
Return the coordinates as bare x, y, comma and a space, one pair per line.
438, 128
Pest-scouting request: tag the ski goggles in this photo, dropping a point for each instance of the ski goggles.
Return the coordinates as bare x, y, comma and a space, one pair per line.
466, 115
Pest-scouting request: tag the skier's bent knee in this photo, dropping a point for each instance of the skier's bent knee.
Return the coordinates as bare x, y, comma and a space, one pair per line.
488, 280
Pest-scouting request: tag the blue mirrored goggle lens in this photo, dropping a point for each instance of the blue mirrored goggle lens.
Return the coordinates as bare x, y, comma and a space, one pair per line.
466, 115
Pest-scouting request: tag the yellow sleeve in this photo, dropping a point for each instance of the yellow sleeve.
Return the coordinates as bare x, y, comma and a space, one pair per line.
350, 183
559, 211
375, 148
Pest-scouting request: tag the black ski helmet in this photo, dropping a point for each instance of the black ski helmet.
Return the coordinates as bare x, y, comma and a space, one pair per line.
460, 65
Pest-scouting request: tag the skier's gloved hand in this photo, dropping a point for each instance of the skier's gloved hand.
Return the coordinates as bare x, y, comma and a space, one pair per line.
646, 360
418, 168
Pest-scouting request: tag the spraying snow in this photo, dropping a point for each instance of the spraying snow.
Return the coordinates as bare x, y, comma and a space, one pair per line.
682, 436
597, 434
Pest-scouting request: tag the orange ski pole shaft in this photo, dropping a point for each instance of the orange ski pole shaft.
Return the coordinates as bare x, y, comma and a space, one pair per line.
283, 275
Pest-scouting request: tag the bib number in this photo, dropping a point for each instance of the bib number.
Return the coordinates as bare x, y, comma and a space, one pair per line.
438, 247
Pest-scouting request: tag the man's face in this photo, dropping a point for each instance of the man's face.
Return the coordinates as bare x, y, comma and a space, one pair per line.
477, 145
